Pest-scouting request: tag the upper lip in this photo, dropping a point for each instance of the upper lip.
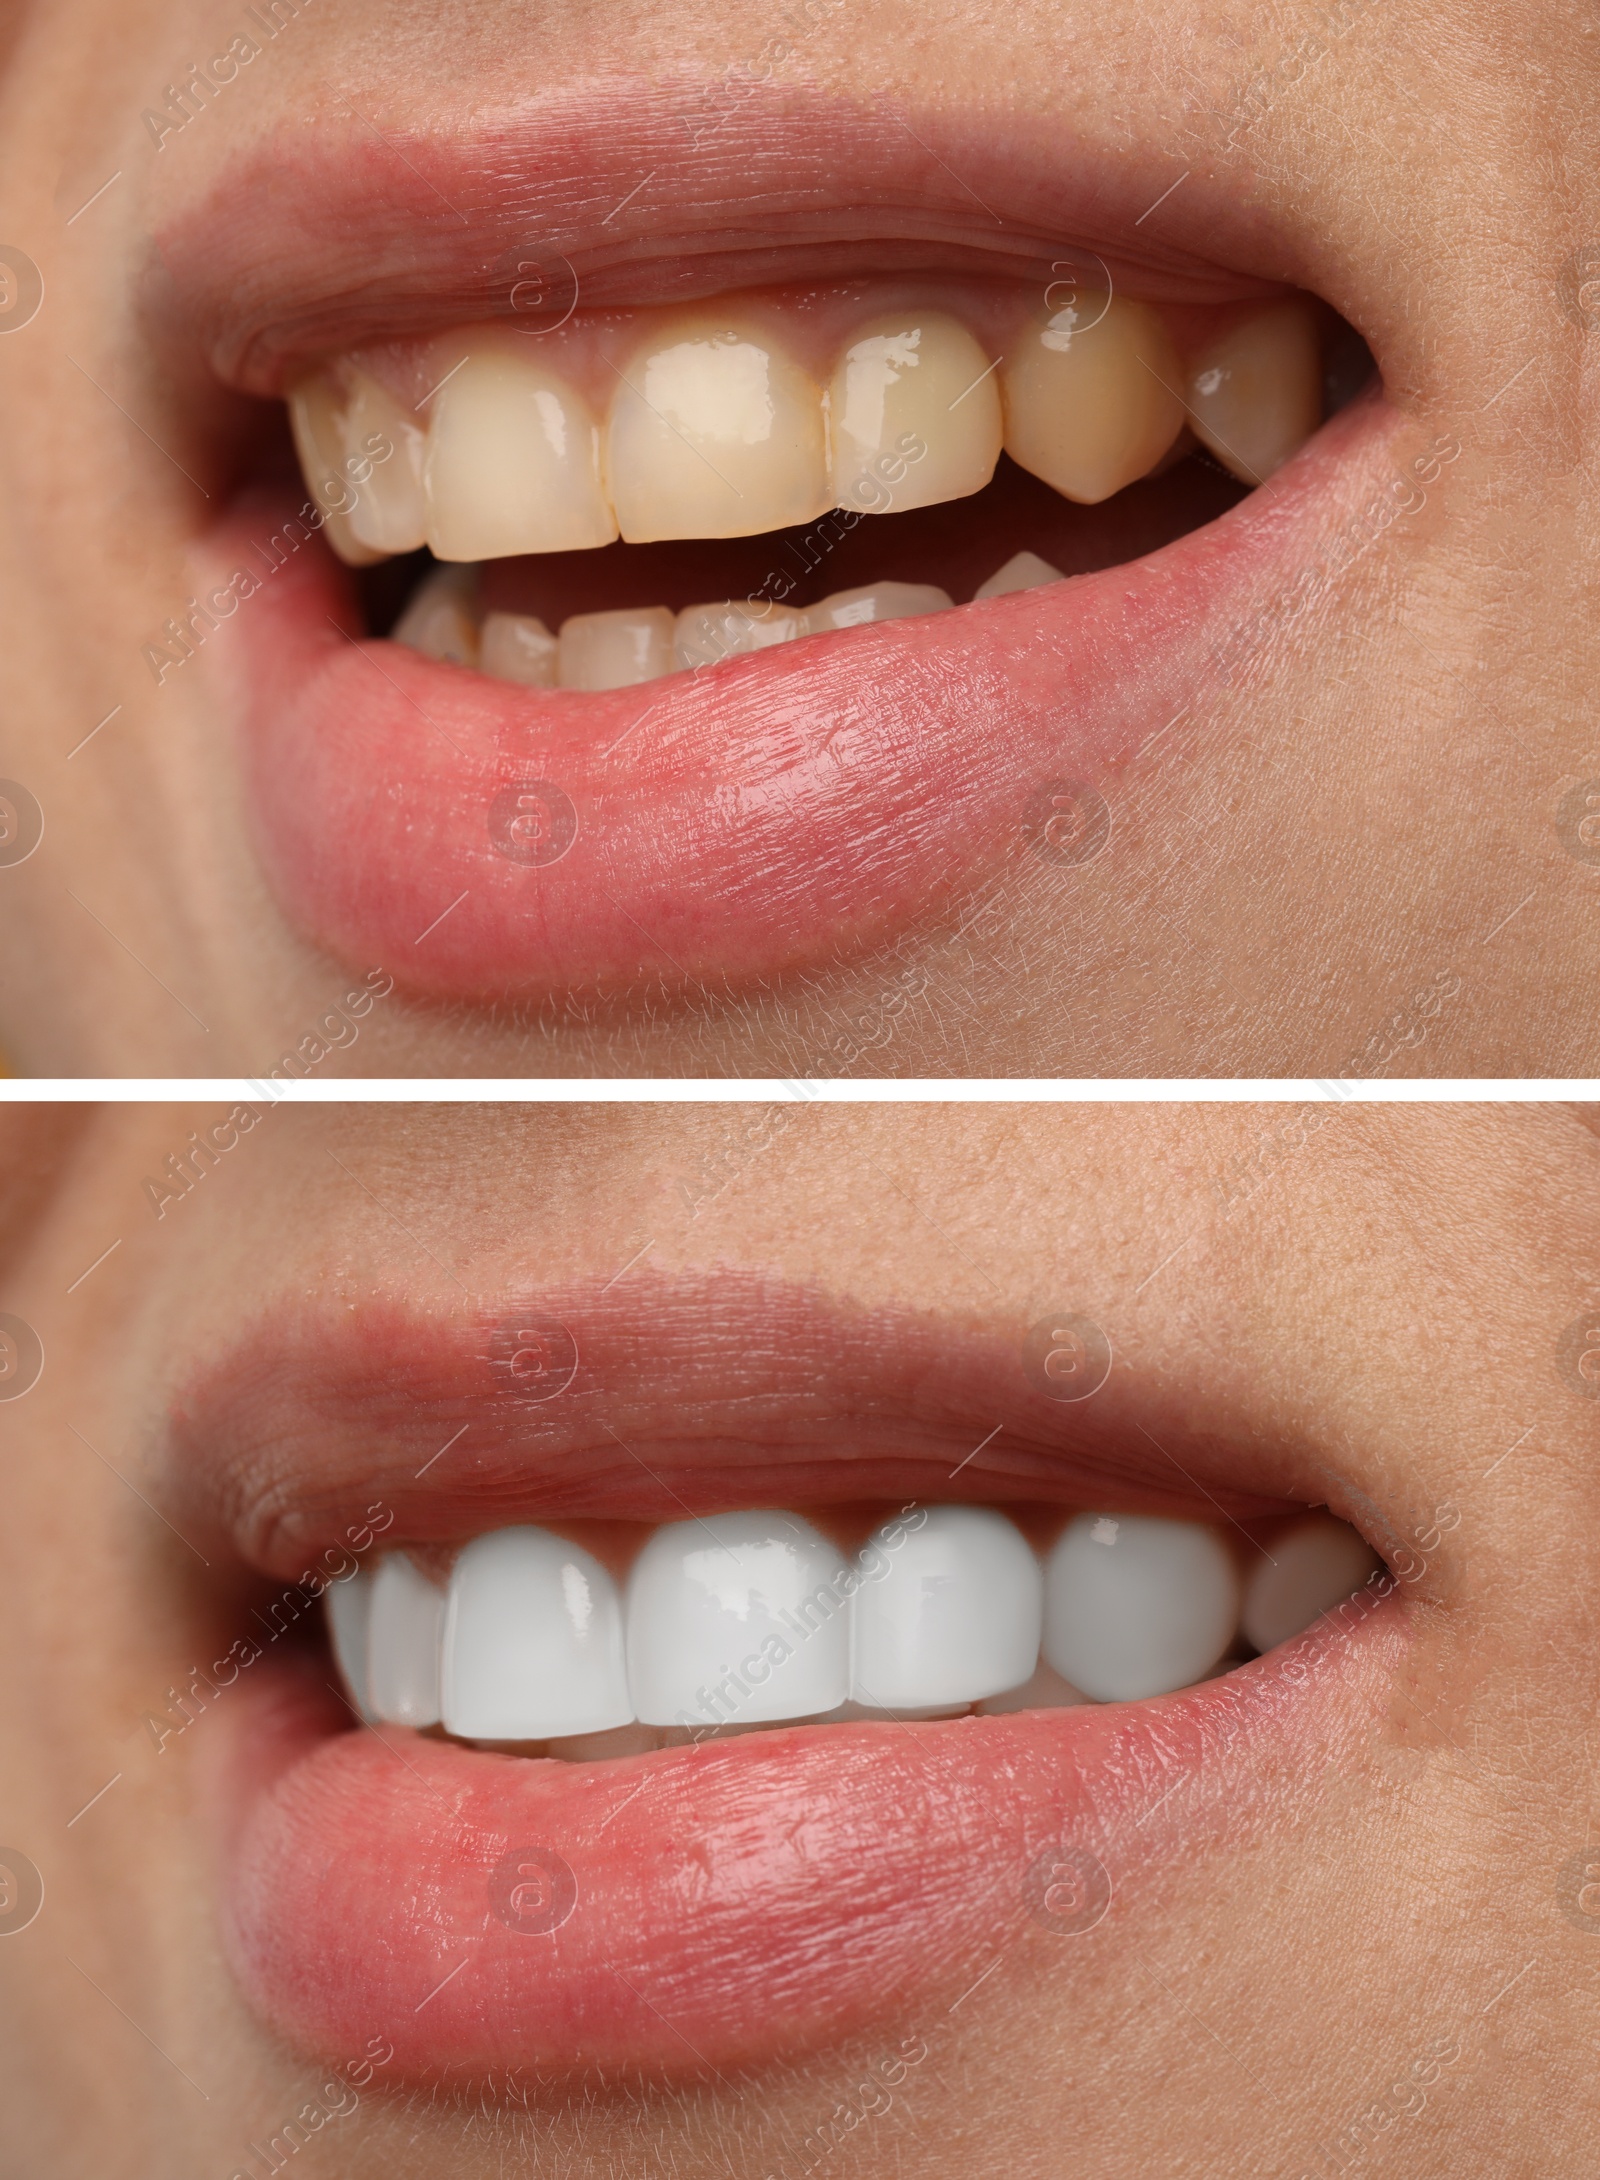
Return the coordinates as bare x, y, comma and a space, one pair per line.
689, 1392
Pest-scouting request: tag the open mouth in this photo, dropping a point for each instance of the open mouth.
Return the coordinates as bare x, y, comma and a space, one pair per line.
726, 601
693, 1703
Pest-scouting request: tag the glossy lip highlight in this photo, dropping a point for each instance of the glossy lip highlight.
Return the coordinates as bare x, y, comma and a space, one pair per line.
793, 808
737, 1903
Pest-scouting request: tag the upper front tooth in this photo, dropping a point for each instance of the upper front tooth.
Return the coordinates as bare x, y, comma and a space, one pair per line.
715, 431
314, 418
513, 462
1315, 1565
877, 602
403, 1644
349, 1619
1092, 397
948, 1611
533, 1641
915, 413
1136, 1606
1256, 391
738, 1619
389, 515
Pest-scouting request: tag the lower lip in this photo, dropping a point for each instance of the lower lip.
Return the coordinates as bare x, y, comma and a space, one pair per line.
735, 1904
789, 808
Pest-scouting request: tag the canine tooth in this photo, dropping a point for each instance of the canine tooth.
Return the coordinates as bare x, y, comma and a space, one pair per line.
715, 431
738, 1619
947, 1612
533, 1641
314, 418
615, 650
441, 621
518, 647
1091, 400
909, 382
512, 464
1318, 1564
728, 630
403, 1637
877, 602
1023, 571
389, 514
1137, 1606
349, 1618
1256, 390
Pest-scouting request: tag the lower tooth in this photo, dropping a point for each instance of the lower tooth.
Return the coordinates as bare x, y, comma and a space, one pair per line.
403, 1644
877, 602
1256, 391
518, 647
1023, 571
533, 1643
1314, 1566
706, 634
441, 620
616, 650
1136, 1606
1046, 1691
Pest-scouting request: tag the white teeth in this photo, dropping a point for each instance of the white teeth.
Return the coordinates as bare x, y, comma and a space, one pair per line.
513, 463
1023, 571
349, 1617
441, 620
390, 515
518, 647
533, 1641
1256, 391
319, 442
715, 432
914, 406
615, 650
877, 602
1136, 1606
1314, 1566
738, 1619
949, 1610
403, 1644
706, 634
1092, 397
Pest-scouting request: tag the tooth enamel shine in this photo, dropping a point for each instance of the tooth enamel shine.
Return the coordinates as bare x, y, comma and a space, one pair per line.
1092, 397
533, 1641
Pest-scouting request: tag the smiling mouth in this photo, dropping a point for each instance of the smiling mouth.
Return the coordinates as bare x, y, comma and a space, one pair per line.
771, 571
788, 419
824, 1753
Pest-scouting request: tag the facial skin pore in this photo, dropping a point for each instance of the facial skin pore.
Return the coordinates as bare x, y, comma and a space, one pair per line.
1368, 1936
1363, 848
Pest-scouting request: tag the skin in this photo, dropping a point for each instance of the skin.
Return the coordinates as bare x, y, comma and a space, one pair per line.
1392, 1285
1370, 813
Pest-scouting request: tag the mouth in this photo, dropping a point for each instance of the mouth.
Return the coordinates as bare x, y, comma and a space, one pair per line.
691, 1698
723, 582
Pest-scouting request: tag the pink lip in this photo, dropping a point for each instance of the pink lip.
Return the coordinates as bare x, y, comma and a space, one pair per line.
484, 842
729, 1904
